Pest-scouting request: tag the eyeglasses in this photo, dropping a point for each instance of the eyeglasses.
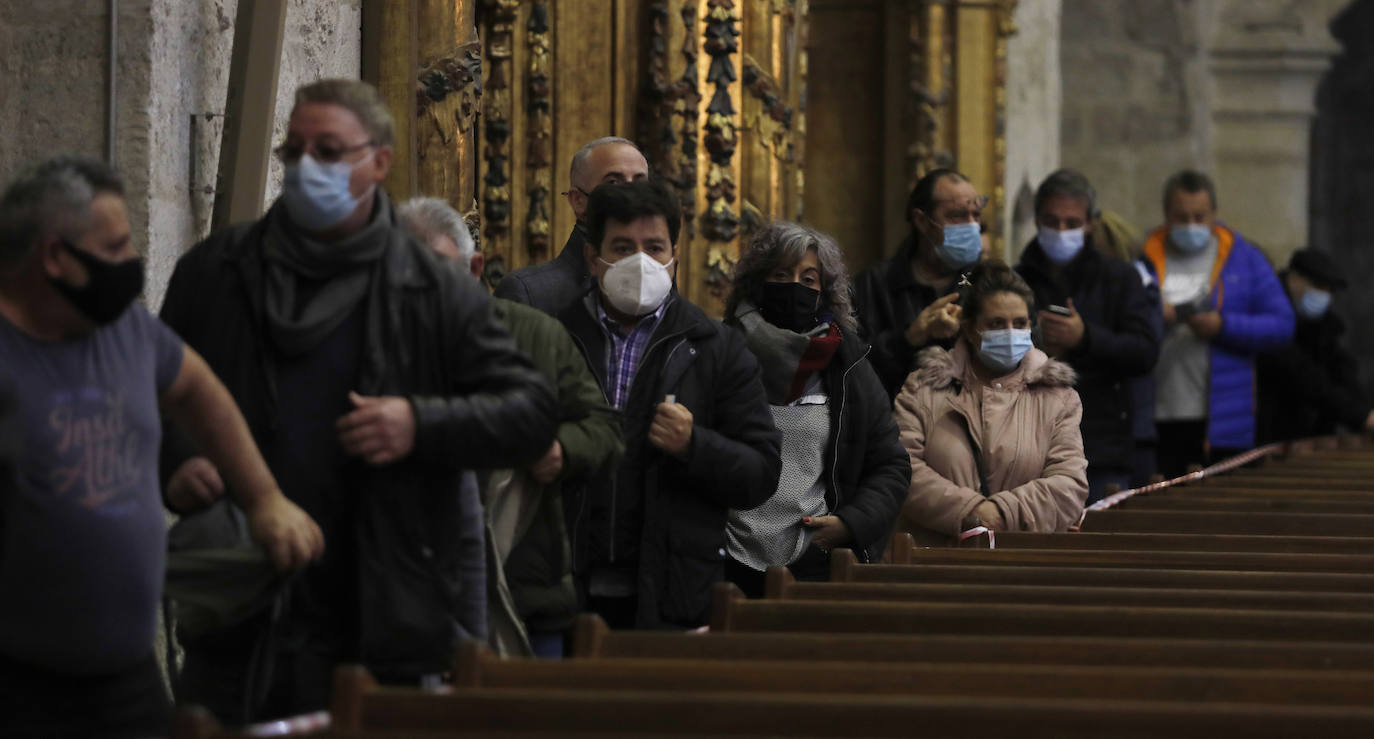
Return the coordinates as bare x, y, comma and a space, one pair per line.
323, 153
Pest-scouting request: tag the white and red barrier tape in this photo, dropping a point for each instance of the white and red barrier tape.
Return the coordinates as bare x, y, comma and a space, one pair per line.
310, 722
1225, 465
979, 531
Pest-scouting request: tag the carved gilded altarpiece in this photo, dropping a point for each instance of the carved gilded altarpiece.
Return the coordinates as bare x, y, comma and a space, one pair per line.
493, 97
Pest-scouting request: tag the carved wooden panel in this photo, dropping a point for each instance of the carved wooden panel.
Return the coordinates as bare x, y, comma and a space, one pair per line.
493, 97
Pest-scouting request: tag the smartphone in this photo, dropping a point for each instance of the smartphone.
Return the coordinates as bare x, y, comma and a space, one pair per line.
1060, 310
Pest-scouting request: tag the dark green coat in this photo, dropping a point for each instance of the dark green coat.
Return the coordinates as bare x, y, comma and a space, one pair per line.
539, 567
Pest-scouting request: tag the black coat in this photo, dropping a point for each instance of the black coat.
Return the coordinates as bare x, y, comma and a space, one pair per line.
867, 470
1120, 342
733, 460
429, 335
887, 298
1309, 386
551, 286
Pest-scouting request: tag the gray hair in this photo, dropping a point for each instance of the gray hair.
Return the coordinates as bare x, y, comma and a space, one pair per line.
51, 199
783, 244
1067, 183
579, 160
425, 218
360, 98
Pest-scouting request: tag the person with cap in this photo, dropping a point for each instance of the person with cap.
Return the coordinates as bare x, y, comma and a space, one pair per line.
1311, 386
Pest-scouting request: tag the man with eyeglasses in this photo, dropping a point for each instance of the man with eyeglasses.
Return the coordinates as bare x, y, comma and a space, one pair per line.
910, 301
553, 285
372, 376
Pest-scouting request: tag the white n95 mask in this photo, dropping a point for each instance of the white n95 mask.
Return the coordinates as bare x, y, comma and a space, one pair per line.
637, 284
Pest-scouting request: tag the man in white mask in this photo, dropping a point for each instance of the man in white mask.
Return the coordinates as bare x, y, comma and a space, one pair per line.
1094, 315
1222, 306
649, 534
372, 376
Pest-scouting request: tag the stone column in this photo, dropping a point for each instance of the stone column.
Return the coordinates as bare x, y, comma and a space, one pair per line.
1034, 103
1265, 60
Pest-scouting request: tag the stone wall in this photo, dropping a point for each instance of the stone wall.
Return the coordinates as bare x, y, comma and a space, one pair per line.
1225, 86
1135, 98
171, 85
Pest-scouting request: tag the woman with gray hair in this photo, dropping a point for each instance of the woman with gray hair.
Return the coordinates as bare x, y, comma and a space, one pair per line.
844, 472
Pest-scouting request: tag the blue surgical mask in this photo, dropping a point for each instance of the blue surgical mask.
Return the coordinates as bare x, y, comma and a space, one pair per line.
1191, 238
316, 194
1314, 303
962, 246
1003, 349
1061, 246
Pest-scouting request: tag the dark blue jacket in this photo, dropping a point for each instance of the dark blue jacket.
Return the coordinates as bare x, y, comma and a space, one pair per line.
1120, 343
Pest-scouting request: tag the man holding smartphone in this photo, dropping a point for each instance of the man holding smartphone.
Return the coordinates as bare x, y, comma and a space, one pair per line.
1094, 315
1222, 306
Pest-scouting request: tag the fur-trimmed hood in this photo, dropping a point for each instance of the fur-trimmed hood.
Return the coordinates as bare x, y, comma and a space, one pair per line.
939, 369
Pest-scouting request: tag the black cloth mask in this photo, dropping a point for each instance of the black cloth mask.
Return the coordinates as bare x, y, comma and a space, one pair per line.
790, 305
109, 291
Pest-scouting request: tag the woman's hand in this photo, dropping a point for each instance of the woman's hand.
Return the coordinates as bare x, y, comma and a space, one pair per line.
989, 516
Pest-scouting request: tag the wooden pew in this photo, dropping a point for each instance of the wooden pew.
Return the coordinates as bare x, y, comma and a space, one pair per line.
1295, 564
1180, 543
479, 668
782, 586
593, 639
731, 611
1221, 489
1285, 504
1213, 522
1300, 480
821, 712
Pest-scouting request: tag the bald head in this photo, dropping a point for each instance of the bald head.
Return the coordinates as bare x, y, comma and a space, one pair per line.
610, 160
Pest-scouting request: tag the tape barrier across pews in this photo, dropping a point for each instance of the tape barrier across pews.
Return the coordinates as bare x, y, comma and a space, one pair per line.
317, 721
1115, 499
1226, 465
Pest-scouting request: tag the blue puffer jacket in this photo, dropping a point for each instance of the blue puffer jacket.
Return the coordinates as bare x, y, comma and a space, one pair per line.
1256, 317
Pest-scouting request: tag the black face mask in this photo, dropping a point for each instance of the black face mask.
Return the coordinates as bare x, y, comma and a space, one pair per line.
109, 291
790, 305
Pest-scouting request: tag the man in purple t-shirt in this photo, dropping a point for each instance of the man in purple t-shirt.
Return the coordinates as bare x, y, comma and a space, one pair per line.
82, 538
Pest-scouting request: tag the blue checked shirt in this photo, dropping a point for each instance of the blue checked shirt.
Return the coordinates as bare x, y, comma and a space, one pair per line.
622, 362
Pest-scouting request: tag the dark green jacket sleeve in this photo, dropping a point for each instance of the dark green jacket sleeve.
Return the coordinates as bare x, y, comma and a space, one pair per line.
589, 429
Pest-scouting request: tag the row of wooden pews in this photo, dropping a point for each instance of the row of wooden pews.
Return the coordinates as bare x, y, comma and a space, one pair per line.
1235, 602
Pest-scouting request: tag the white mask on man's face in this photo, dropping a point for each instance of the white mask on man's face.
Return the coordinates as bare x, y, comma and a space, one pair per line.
637, 284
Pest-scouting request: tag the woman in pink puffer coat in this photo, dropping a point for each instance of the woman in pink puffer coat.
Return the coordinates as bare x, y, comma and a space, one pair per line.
991, 425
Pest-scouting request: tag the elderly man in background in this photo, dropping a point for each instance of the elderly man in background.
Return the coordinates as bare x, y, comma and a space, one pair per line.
525, 508
373, 376
551, 286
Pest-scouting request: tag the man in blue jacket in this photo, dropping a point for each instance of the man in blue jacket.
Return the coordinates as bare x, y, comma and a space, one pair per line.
1222, 306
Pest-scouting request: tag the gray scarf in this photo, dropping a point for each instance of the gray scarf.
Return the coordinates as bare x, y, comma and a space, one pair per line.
300, 317
786, 358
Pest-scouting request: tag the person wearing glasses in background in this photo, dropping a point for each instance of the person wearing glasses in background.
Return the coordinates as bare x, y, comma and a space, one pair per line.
372, 376
909, 302
550, 286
